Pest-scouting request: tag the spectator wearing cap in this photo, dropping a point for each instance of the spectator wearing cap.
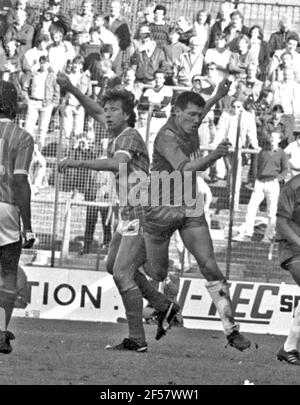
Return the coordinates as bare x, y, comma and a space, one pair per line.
147, 60
293, 152
219, 54
291, 44
173, 52
42, 93
186, 30
222, 21
235, 29
159, 28
278, 39
240, 60
30, 62
189, 63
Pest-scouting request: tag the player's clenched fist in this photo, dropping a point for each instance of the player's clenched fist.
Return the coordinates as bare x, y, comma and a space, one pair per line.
222, 149
28, 239
64, 82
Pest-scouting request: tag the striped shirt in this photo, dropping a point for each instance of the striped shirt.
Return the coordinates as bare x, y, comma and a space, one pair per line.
132, 144
16, 148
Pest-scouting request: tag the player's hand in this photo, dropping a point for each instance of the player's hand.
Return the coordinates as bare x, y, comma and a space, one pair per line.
222, 149
67, 163
223, 87
64, 82
28, 239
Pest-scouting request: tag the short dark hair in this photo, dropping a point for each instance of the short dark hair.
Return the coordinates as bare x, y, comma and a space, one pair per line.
43, 58
160, 70
127, 99
160, 7
292, 36
278, 108
261, 34
107, 48
187, 97
8, 99
237, 12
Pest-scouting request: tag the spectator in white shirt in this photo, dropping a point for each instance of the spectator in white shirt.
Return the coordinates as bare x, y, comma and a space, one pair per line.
60, 52
30, 62
220, 55
286, 92
73, 117
105, 35
293, 152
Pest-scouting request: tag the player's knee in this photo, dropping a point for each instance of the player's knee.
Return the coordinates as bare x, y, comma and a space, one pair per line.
157, 273
122, 281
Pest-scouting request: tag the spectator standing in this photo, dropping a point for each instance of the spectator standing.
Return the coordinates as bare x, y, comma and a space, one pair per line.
259, 50
81, 23
189, 64
219, 55
186, 30
173, 52
222, 21
278, 39
73, 117
286, 93
30, 62
159, 28
147, 60
202, 28
105, 35
293, 153
42, 93
272, 168
60, 52
235, 29
241, 59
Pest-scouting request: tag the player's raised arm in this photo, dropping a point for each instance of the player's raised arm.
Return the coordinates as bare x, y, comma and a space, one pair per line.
90, 106
222, 91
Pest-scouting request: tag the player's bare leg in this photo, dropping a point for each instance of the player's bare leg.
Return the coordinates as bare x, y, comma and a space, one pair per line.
198, 241
289, 351
9, 258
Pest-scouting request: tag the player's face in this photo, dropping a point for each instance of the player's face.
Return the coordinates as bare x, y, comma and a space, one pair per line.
115, 117
189, 119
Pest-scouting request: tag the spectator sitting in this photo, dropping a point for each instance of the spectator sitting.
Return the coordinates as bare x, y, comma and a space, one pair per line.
290, 47
235, 30
159, 29
222, 21
30, 62
172, 54
186, 30
147, 59
42, 93
202, 28
90, 51
259, 49
272, 168
219, 55
189, 64
278, 39
240, 60
293, 152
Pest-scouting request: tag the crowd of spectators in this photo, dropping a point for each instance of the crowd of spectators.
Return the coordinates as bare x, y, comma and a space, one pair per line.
158, 60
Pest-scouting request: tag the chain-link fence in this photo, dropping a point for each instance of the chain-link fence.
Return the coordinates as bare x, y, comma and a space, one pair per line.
74, 213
